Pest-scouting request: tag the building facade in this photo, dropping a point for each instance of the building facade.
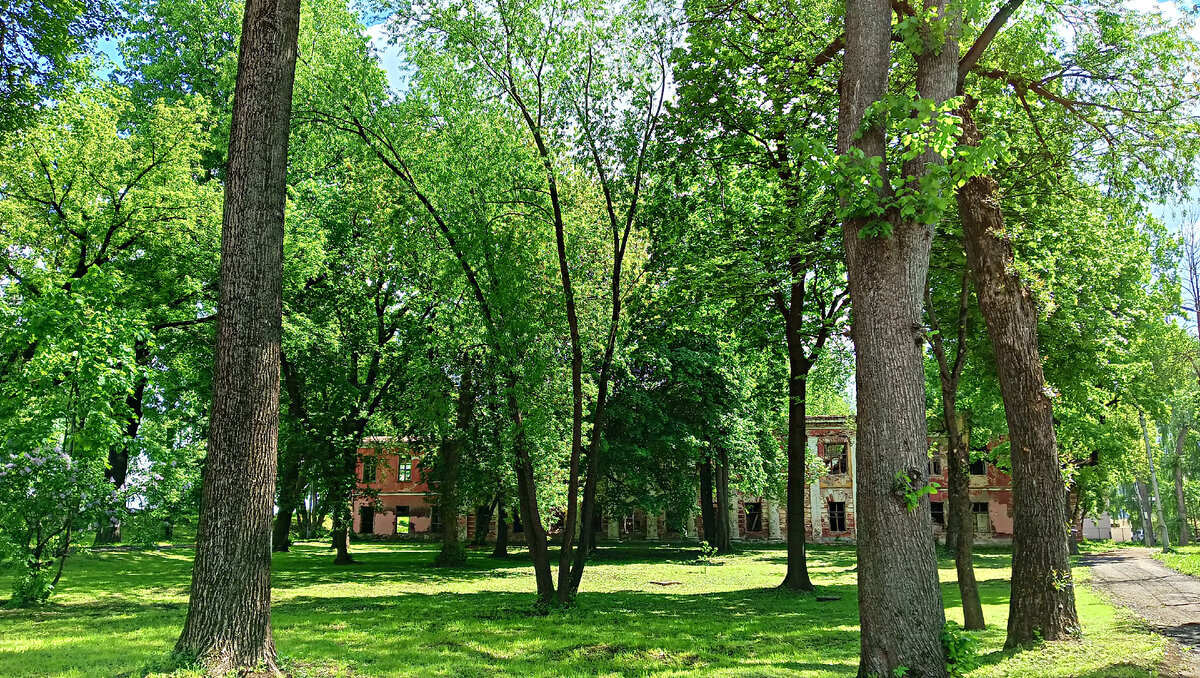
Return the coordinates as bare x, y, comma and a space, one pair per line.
395, 500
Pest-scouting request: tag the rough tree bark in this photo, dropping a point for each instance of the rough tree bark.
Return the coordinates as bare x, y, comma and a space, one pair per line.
900, 601
707, 517
452, 553
797, 577
1042, 604
228, 622
724, 543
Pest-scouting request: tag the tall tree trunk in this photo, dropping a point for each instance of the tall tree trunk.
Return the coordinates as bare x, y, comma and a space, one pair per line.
1042, 604
587, 514
343, 520
1144, 504
724, 542
452, 553
531, 519
887, 260
291, 490
501, 550
1076, 519
959, 461
707, 516
958, 455
483, 521
1165, 535
1180, 504
341, 498
118, 457
797, 438
228, 622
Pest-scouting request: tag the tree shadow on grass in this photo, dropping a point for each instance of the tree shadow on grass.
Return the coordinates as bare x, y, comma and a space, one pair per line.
622, 633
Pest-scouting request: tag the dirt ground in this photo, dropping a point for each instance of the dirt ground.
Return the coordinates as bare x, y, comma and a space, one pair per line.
1168, 600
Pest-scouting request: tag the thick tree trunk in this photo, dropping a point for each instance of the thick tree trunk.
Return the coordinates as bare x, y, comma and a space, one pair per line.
291, 489
342, 522
483, 521
724, 543
118, 457
1185, 536
501, 550
707, 515
502, 533
228, 624
797, 438
887, 260
452, 554
1043, 599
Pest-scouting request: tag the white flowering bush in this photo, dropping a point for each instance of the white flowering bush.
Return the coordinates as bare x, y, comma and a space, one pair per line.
46, 498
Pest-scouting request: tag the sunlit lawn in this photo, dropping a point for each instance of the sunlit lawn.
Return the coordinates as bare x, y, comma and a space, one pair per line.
1186, 559
395, 615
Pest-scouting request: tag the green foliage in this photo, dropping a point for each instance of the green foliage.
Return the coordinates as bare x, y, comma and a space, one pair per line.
962, 650
39, 41
908, 487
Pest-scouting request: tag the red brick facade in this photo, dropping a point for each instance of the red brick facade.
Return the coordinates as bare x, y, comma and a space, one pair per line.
398, 501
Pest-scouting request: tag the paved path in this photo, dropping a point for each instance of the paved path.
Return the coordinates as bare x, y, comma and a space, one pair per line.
1166, 599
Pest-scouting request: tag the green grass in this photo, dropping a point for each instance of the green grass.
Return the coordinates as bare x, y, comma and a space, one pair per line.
394, 615
1185, 559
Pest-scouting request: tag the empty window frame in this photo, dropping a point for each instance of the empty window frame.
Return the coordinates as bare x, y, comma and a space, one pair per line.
403, 469
754, 517
935, 466
835, 458
403, 521
937, 510
979, 467
369, 469
837, 516
979, 511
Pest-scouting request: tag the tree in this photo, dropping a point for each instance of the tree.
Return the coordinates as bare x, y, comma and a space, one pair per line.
99, 208
887, 241
960, 530
763, 229
1042, 604
228, 623
531, 55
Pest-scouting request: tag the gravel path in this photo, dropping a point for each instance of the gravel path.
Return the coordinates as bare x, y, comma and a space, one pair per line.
1166, 599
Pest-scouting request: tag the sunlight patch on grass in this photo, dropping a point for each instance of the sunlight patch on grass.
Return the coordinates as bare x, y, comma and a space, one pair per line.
392, 614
